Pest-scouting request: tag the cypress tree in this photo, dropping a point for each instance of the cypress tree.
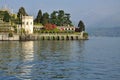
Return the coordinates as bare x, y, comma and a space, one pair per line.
39, 17
81, 26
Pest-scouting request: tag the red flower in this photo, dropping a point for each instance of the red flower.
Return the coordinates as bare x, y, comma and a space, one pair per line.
50, 26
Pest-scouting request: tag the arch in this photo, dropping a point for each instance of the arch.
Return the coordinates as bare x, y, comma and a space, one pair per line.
48, 37
76, 37
67, 37
62, 37
53, 37
43, 38
58, 37
72, 38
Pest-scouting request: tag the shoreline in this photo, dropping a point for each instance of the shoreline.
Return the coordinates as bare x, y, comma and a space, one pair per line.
34, 37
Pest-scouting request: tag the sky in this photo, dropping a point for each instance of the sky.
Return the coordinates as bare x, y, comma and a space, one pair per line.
94, 13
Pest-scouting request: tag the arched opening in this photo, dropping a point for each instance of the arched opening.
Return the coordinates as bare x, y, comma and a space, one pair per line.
62, 37
72, 38
67, 37
58, 38
53, 38
43, 38
76, 37
48, 37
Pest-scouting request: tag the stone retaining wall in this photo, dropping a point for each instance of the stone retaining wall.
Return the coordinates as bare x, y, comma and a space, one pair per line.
5, 37
51, 37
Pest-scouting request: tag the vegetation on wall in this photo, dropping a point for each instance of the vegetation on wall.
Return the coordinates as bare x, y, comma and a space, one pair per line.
10, 34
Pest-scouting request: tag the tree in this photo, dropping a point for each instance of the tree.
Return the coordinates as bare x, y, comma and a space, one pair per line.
67, 21
6, 17
60, 18
53, 17
39, 17
21, 13
45, 18
81, 26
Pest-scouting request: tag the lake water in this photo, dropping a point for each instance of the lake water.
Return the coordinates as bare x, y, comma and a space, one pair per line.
95, 59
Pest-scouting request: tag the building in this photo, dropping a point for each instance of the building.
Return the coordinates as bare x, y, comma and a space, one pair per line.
27, 24
66, 28
38, 27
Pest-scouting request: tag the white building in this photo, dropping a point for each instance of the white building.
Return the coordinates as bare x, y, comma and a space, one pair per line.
66, 28
27, 24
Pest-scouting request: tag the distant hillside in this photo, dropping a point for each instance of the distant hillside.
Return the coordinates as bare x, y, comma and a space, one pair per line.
110, 32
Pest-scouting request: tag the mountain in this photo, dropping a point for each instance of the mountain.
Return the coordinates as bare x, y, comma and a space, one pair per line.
109, 32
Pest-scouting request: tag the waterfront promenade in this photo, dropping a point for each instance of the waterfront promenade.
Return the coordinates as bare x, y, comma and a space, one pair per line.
32, 37
53, 37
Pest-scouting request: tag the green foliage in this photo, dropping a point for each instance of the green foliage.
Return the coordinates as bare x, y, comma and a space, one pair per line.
39, 17
6, 16
15, 29
38, 24
85, 35
59, 18
53, 17
22, 31
2, 14
81, 26
21, 13
45, 18
10, 34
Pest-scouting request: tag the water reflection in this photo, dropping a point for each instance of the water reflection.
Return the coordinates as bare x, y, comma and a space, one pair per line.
64, 60
8, 57
24, 70
27, 50
42, 59
61, 59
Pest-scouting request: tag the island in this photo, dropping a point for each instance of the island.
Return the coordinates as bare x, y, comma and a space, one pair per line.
23, 27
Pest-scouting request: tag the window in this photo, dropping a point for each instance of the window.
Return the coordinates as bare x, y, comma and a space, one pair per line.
27, 23
31, 23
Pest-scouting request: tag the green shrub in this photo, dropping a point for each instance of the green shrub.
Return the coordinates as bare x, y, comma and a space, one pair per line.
85, 35
10, 34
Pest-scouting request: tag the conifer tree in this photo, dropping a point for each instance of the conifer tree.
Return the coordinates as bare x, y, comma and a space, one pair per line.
39, 17
21, 13
45, 18
81, 26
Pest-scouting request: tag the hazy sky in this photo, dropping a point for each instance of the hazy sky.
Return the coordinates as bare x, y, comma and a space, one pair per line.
94, 13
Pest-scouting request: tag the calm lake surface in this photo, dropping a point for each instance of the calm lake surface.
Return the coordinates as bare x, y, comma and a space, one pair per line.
95, 59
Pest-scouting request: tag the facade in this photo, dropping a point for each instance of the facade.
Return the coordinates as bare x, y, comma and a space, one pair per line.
38, 27
66, 28
27, 24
